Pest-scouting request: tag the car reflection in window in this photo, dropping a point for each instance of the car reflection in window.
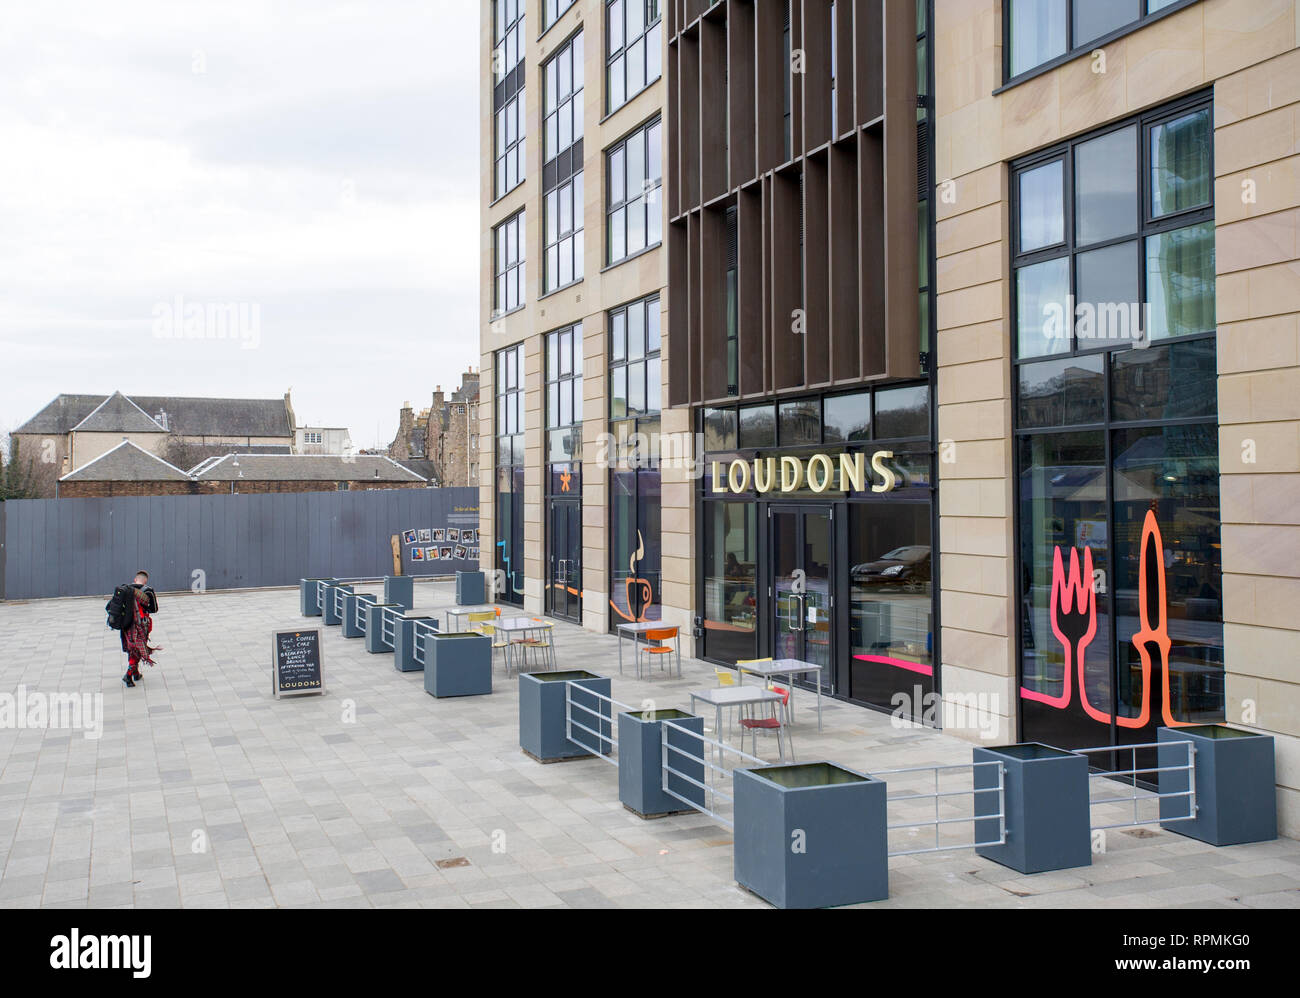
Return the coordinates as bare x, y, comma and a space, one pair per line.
907, 568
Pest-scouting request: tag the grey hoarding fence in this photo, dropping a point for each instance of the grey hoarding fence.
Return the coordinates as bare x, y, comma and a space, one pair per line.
83, 547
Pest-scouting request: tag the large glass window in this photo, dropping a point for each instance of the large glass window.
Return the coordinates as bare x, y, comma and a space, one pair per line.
730, 580
509, 475
552, 9
508, 102
564, 392
634, 49
891, 630
1119, 591
508, 252
1042, 30
1115, 237
635, 373
635, 176
562, 87
564, 238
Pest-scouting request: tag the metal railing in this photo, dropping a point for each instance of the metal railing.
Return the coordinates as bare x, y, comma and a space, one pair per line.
422, 629
1113, 776
359, 612
339, 595
938, 795
712, 771
387, 625
606, 744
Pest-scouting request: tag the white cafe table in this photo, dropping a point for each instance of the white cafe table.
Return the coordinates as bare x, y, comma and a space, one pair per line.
737, 696
459, 613
788, 667
632, 629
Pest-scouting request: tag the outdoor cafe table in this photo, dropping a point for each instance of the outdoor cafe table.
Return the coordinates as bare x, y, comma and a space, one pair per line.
459, 613
509, 627
735, 696
632, 629
788, 667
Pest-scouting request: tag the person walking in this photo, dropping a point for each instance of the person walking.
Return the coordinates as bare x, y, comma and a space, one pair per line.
135, 636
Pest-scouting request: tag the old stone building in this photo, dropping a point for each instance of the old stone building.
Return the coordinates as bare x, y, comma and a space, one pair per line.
441, 442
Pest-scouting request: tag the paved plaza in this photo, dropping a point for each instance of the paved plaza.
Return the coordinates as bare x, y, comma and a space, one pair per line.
204, 791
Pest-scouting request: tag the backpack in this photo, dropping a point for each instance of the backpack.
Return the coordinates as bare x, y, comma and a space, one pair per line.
121, 608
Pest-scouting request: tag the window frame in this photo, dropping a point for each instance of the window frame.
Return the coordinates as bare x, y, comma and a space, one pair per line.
1073, 51
563, 238
619, 55
573, 99
624, 363
519, 221
1145, 227
650, 197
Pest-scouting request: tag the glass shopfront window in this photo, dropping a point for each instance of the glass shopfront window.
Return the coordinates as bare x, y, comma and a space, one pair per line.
509, 475
730, 570
1120, 597
891, 609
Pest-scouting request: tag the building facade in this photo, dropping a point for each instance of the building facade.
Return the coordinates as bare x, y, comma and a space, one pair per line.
979, 385
572, 269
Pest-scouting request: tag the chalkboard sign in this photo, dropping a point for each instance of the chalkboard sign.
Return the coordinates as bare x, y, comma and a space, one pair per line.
297, 663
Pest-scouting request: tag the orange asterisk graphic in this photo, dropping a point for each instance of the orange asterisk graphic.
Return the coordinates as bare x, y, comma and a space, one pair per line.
565, 478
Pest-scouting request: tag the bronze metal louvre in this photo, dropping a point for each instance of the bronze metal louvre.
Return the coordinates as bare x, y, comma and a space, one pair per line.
821, 192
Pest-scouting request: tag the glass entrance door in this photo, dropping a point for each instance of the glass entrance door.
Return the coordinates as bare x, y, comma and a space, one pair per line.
564, 564
802, 572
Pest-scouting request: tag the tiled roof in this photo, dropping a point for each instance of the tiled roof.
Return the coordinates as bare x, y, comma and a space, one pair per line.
307, 467
118, 414
196, 417
127, 462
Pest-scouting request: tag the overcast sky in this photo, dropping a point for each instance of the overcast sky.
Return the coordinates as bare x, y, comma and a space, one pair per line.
313, 161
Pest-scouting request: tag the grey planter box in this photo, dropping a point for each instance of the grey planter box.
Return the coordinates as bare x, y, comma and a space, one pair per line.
307, 594
349, 621
376, 642
811, 835
458, 664
1049, 822
541, 713
328, 614
640, 761
400, 590
404, 637
1236, 793
470, 589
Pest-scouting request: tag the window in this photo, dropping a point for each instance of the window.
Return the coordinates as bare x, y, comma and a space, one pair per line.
1116, 437
510, 145
508, 252
509, 537
635, 384
562, 88
634, 47
1114, 237
564, 393
508, 101
635, 209
552, 9
1041, 31
730, 580
508, 52
564, 242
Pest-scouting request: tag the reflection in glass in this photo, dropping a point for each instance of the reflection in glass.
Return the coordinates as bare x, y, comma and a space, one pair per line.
800, 422
847, 417
1062, 392
1105, 187
1043, 321
1042, 206
1178, 381
719, 429
1180, 281
891, 639
1094, 18
1037, 33
758, 426
1106, 306
730, 583
1180, 163
1173, 471
1063, 506
903, 412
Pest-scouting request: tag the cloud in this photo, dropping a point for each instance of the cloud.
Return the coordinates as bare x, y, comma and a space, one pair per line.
316, 159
